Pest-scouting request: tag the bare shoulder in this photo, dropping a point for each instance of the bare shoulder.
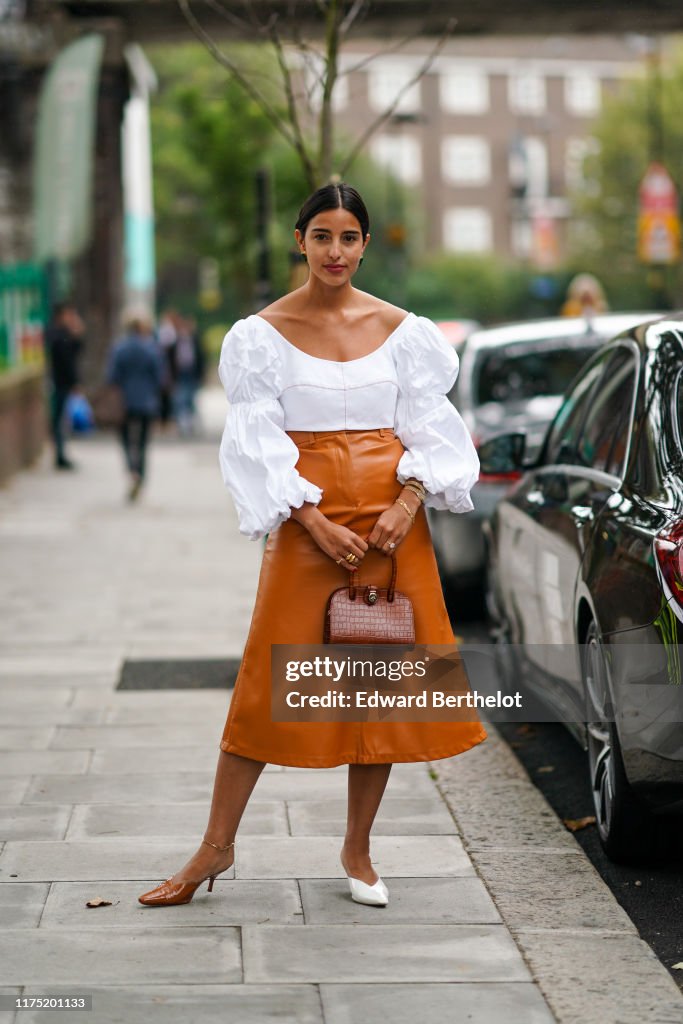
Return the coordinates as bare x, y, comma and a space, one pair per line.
287, 306
387, 314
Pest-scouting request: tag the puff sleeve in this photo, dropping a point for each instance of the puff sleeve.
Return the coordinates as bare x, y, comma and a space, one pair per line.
439, 449
256, 456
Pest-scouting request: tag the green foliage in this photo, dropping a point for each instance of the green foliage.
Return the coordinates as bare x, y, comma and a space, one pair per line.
485, 288
209, 138
605, 231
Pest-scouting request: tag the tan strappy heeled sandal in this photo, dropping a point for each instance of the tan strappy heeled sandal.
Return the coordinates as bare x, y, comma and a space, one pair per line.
166, 895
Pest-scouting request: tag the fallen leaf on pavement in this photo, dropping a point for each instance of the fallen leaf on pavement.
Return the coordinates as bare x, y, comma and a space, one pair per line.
677, 967
545, 768
574, 824
98, 903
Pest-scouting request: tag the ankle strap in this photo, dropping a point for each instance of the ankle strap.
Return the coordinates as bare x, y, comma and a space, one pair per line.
217, 846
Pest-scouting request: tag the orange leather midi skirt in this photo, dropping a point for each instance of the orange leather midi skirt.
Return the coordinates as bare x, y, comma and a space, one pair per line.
356, 470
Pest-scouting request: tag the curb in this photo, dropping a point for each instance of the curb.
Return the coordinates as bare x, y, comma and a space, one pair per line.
581, 947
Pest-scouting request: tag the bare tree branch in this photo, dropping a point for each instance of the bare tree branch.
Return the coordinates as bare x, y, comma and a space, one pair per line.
300, 141
386, 114
348, 69
356, 10
227, 62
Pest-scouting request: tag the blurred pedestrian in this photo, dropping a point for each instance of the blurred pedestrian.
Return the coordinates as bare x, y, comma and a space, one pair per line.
136, 366
167, 334
585, 297
63, 346
187, 362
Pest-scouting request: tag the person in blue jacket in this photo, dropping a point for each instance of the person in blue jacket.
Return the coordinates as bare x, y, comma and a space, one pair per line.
136, 367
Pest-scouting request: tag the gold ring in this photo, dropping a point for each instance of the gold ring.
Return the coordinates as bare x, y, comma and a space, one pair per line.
339, 561
351, 557
391, 544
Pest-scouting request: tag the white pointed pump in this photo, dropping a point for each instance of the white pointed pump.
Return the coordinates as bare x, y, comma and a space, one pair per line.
376, 895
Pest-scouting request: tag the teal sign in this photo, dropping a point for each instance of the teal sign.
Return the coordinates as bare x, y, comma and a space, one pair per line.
63, 166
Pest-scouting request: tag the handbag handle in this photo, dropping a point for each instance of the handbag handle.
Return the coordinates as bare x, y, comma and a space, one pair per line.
392, 582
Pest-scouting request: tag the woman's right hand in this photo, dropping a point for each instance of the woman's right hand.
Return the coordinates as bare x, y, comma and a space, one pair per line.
338, 541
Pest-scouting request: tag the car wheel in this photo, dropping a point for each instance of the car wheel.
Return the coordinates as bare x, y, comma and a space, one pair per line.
627, 830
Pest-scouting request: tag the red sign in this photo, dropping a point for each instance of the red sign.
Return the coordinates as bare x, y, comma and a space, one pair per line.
659, 229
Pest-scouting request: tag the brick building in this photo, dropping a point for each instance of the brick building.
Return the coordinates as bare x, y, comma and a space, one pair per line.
493, 136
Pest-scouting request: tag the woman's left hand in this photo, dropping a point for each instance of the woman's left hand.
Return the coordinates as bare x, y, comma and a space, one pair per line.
391, 527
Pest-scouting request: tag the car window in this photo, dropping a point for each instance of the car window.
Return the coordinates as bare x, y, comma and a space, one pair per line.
603, 439
564, 433
512, 373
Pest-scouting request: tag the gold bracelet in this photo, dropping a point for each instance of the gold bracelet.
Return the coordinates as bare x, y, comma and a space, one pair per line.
401, 502
420, 492
416, 485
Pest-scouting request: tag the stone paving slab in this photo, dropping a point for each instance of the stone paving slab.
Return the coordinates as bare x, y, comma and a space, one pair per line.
14, 789
385, 953
554, 890
52, 664
29, 737
201, 757
599, 978
34, 821
9, 1016
512, 1003
231, 902
94, 859
318, 857
530, 822
189, 786
103, 789
68, 715
21, 903
190, 1004
400, 816
25, 762
26, 698
160, 955
176, 820
417, 900
121, 738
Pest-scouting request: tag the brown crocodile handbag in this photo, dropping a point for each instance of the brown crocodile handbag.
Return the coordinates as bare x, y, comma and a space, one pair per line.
369, 614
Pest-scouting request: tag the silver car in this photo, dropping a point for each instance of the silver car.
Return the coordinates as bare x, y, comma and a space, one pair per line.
512, 378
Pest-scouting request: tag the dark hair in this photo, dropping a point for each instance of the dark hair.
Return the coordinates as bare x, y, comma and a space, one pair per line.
332, 197
59, 308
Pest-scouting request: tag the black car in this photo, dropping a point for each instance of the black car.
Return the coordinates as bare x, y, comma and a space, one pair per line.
586, 575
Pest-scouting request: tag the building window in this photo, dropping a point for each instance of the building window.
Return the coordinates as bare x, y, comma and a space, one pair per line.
465, 160
576, 152
467, 229
400, 154
521, 238
464, 91
386, 78
537, 167
582, 93
526, 92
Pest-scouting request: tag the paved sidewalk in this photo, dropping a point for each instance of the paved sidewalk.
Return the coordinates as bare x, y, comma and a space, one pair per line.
106, 792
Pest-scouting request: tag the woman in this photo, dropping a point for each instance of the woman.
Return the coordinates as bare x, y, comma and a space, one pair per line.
318, 382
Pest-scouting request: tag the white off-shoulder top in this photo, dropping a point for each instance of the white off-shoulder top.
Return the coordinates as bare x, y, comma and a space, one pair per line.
272, 386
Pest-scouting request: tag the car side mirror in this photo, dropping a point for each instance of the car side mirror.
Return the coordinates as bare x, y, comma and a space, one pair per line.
503, 454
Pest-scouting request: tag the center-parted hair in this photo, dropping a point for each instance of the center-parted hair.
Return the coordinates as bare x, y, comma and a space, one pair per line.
332, 197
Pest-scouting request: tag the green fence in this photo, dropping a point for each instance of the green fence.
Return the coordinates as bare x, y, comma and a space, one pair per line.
23, 314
